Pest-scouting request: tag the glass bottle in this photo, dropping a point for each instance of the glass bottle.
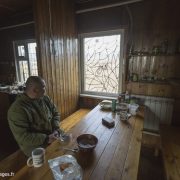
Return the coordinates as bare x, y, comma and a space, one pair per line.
127, 97
113, 105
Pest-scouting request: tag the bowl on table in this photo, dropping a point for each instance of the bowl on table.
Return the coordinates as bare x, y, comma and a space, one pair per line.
122, 107
106, 105
87, 142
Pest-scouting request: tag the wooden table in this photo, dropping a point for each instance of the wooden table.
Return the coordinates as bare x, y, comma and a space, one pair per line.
116, 155
170, 140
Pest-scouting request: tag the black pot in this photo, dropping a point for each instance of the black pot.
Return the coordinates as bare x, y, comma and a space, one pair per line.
87, 142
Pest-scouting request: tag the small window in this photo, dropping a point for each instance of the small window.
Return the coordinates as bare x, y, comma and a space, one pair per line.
101, 62
26, 59
21, 51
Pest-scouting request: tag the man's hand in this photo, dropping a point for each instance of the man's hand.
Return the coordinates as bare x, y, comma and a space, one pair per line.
56, 134
53, 137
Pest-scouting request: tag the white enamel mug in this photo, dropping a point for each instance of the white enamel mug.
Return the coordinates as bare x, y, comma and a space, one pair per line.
37, 159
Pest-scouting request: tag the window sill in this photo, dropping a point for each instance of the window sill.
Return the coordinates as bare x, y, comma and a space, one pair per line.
98, 97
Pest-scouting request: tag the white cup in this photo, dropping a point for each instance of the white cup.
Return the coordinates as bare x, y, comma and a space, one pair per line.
37, 159
133, 109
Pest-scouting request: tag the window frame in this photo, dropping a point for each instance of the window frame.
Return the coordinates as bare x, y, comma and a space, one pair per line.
18, 58
121, 61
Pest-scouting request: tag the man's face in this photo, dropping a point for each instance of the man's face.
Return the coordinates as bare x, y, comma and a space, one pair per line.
41, 89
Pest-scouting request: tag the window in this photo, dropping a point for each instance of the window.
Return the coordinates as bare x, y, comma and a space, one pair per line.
26, 60
101, 62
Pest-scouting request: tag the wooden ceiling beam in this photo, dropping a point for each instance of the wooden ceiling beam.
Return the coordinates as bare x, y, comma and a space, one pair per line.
107, 6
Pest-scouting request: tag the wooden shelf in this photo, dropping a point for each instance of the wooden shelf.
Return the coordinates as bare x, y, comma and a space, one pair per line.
151, 82
150, 89
175, 82
152, 55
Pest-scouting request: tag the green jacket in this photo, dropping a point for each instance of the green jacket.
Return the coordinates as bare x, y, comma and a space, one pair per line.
31, 121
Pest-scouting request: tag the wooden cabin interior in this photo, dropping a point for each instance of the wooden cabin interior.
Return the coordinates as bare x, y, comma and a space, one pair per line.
148, 69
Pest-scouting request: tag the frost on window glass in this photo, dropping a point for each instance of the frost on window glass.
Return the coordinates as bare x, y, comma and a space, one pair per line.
101, 63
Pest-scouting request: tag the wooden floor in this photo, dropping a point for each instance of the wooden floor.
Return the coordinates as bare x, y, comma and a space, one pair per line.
150, 166
170, 136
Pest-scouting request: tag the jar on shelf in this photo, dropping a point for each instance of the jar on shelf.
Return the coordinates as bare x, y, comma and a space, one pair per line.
164, 47
134, 77
156, 50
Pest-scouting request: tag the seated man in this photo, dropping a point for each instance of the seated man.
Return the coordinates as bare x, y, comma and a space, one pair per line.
33, 118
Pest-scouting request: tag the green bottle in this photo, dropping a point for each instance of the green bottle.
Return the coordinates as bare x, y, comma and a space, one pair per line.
113, 105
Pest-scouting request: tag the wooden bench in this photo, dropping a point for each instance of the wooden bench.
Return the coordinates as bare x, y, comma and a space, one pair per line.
151, 140
17, 160
170, 140
73, 119
13, 162
132, 159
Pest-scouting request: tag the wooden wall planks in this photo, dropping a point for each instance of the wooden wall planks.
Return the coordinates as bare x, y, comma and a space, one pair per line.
150, 89
148, 23
57, 40
160, 67
7, 61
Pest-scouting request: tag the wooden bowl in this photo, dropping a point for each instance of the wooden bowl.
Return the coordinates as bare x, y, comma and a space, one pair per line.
87, 142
